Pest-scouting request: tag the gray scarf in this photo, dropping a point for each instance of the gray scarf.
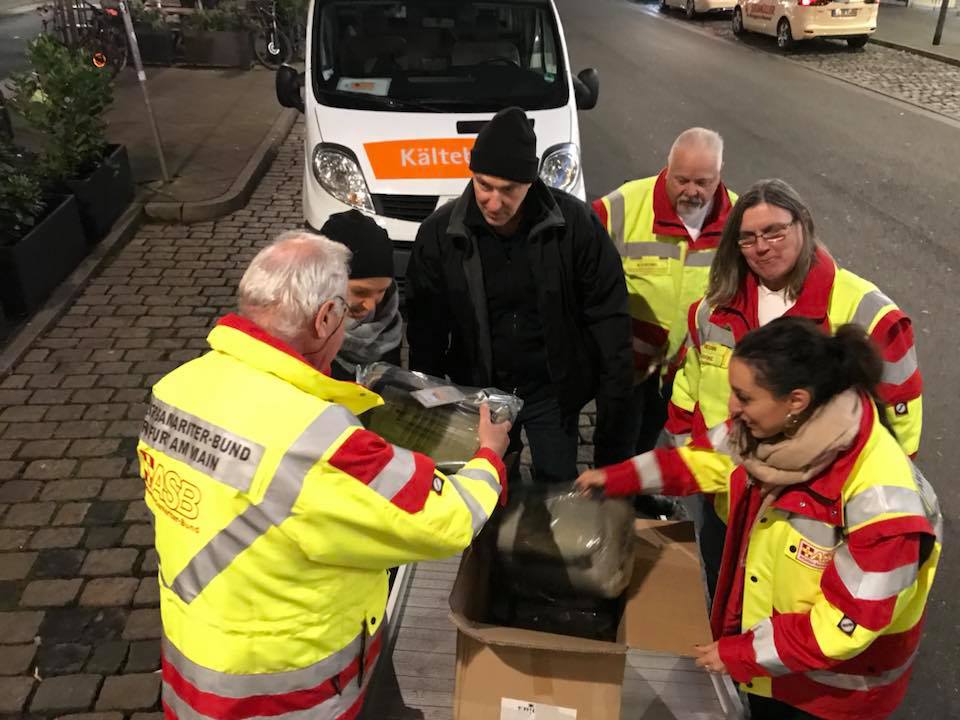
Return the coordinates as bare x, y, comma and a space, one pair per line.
375, 335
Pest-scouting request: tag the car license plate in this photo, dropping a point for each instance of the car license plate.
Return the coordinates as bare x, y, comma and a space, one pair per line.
844, 12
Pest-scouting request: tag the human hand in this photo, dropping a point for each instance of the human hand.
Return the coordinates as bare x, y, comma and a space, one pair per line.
591, 479
708, 657
493, 436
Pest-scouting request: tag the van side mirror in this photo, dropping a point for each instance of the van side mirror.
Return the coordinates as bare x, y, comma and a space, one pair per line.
586, 88
289, 82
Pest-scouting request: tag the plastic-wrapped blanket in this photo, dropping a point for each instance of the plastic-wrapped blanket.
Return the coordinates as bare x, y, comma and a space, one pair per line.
430, 415
558, 544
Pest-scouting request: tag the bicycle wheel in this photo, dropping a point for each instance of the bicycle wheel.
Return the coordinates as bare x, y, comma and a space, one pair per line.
107, 45
272, 47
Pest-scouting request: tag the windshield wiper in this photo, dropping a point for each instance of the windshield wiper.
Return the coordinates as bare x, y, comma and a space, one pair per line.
398, 103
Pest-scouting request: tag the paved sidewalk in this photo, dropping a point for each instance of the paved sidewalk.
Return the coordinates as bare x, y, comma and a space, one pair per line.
912, 28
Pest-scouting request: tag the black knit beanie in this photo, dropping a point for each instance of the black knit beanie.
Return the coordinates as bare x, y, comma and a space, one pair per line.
369, 243
506, 147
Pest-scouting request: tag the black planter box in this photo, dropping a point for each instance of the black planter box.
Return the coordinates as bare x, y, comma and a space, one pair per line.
104, 194
218, 48
157, 47
37, 263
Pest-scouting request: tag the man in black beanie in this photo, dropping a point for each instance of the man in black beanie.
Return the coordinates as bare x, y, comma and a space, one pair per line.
518, 286
374, 329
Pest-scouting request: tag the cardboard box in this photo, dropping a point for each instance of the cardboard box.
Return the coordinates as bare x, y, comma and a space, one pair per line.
511, 674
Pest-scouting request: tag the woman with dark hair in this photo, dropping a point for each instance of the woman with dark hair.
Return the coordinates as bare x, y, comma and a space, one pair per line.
833, 536
770, 264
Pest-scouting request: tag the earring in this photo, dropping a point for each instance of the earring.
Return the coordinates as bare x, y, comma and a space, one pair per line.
791, 425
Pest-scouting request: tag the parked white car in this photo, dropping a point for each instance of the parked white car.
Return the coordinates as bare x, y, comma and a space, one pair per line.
692, 8
794, 20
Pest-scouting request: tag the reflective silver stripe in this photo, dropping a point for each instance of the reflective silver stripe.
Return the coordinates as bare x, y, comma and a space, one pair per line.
645, 348
703, 318
882, 499
704, 258
819, 533
865, 585
617, 220
719, 436
868, 308
651, 249
930, 501
275, 507
860, 682
395, 474
718, 335
243, 685
765, 649
898, 372
330, 709
207, 448
651, 480
477, 515
669, 439
483, 476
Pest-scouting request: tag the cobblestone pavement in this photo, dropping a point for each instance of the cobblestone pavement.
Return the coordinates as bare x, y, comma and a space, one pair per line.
79, 617
925, 82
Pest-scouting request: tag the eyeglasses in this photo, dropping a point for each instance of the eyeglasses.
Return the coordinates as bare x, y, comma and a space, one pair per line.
773, 235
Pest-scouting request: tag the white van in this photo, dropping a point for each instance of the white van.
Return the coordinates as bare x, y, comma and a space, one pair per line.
394, 94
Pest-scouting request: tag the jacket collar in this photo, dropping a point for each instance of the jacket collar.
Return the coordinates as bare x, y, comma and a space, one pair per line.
247, 342
812, 301
666, 221
539, 202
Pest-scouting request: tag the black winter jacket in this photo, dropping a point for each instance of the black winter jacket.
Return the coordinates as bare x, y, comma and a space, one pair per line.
582, 297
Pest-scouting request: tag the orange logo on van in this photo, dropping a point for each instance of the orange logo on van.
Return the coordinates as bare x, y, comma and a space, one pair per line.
420, 159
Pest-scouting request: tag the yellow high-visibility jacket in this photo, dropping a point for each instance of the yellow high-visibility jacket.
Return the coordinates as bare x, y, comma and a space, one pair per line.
664, 268
277, 515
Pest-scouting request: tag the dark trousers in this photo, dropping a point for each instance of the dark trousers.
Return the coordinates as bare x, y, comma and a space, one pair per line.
553, 435
711, 536
762, 708
649, 412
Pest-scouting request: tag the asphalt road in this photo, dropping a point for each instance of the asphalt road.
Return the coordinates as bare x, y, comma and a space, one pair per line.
881, 176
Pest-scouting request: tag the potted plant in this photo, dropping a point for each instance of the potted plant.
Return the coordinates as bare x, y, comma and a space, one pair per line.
155, 37
41, 236
64, 98
217, 38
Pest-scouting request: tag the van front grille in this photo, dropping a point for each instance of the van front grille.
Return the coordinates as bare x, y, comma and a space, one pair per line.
414, 208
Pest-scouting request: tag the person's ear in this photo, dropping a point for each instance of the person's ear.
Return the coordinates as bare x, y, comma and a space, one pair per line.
326, 320
799, 400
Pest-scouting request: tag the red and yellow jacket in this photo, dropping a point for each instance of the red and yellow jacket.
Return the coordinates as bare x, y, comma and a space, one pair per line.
277, 515
664, 268
820, 601
832, 297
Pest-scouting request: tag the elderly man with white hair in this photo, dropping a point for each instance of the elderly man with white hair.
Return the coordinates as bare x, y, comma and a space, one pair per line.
666, 229
277, 514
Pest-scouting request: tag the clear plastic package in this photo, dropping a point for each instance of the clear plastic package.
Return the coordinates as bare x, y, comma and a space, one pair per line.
554, 544
430, 415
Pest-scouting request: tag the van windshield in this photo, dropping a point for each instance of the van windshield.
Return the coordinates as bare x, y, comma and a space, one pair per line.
437, 55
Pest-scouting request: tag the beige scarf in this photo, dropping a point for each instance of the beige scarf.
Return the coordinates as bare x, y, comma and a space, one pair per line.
831, 429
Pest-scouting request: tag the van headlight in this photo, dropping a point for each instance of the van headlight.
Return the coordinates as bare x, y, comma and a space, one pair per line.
561, 167
339, 175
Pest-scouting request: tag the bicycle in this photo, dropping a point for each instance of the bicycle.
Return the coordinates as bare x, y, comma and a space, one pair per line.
98, 30
271, 44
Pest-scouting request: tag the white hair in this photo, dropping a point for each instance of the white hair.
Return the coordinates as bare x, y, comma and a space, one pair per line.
288, 281
701, 139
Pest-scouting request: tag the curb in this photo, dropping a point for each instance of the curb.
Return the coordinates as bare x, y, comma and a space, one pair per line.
932, 55
69, 289
242, 188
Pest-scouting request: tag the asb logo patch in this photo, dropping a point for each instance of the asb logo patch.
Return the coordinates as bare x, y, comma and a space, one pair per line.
901, 408
847, 625
813, 556
437, 484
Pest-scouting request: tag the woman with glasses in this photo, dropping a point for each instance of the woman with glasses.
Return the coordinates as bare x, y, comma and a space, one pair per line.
770, 264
